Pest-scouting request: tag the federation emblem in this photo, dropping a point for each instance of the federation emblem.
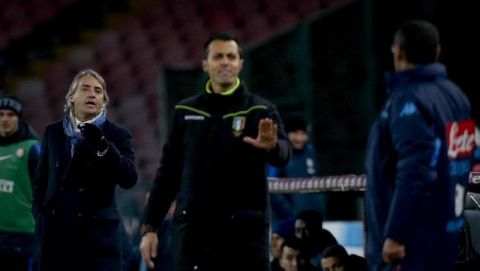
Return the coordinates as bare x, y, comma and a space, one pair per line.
238, 124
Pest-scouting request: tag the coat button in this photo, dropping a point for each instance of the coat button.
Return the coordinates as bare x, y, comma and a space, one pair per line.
232, 216
195, 267
184, 212
53, 212
79, 214
81, 189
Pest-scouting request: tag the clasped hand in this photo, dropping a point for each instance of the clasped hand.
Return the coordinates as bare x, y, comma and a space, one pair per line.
95, 135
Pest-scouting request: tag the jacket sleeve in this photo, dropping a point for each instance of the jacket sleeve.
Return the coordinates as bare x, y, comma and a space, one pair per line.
281, 154
167, 179
121, 157
418, 148
33, 158
39, 181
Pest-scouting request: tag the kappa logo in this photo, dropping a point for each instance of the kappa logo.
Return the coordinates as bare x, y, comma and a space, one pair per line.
408, 110
6, 186
384, 114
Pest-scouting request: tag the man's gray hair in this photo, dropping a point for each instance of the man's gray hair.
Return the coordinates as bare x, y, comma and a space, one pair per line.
74, 85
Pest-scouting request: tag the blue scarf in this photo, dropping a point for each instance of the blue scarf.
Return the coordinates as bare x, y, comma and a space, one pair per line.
69, 128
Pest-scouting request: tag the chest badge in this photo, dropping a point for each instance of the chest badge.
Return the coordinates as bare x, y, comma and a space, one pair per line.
20, 152
238, 124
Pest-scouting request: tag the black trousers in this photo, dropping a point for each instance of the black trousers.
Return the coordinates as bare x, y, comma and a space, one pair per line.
14, 262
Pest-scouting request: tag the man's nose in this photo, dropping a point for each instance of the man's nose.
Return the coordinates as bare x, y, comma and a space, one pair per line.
224, 60
91, 93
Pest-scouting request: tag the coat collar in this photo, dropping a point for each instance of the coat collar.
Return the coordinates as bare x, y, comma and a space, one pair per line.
394, 80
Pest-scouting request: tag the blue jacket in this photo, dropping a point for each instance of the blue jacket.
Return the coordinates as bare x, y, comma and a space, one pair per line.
303, 164
417, 162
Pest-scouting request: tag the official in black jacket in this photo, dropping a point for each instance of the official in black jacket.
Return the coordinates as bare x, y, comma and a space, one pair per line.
214, 165
83, 158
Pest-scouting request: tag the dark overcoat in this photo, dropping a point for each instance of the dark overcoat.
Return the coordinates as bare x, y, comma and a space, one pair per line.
74, 200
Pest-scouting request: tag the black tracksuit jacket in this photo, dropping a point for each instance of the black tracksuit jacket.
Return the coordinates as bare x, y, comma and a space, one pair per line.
218, 181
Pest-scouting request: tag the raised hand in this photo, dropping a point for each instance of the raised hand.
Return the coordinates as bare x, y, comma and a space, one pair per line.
267, 135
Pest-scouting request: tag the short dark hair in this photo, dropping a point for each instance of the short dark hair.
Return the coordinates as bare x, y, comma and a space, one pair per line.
291, 243
311, 217
336, 251
313, 222
419, 39
223, 36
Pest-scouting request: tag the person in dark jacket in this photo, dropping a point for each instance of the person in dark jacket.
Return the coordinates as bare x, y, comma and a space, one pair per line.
19, 151
83, 158
313, 237
214, 164
336, 258
284, 230
303, 164
291, 257
418, 160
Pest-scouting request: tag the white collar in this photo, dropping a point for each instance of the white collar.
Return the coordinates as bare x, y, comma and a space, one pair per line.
78, 122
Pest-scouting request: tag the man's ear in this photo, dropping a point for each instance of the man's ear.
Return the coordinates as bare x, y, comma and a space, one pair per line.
398, 52
400, 59
439, 51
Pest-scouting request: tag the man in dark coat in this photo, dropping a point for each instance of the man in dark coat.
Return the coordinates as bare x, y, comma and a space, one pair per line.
214, 163
19, 151
418, 160
83, 158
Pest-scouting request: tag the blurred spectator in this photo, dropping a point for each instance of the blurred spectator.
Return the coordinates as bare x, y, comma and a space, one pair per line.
336, 258
313, 237
285, 229
19, 151
303, 164
291, 257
